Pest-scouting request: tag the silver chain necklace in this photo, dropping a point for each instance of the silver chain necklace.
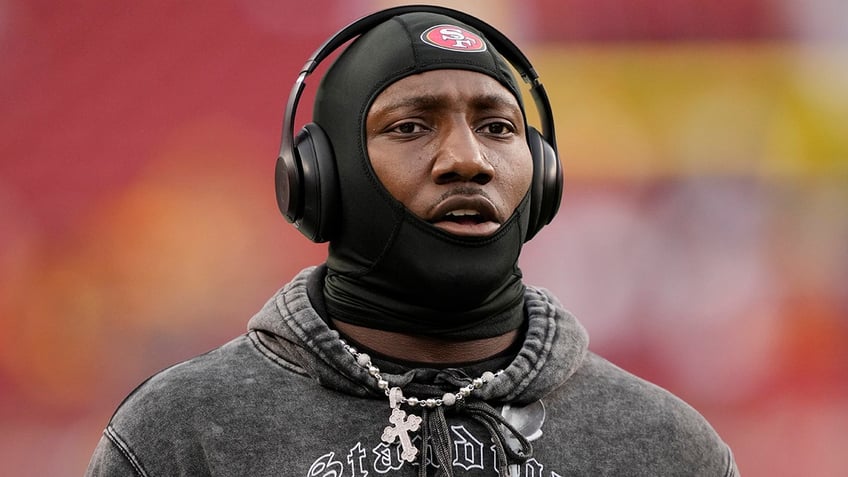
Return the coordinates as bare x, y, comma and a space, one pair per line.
402, 424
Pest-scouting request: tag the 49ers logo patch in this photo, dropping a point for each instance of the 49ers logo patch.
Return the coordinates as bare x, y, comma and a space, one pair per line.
454, 38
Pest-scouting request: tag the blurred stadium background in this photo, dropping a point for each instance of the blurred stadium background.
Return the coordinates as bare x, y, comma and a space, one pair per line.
703, 237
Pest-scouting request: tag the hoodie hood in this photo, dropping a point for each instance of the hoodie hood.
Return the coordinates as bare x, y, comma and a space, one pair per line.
554, 347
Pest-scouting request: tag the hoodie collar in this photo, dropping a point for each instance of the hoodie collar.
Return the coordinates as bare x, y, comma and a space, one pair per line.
290, 329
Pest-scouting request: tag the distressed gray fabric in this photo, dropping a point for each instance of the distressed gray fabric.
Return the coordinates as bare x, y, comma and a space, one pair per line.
287, 399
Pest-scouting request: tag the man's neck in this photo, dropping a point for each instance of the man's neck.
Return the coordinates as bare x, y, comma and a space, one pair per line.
427, 349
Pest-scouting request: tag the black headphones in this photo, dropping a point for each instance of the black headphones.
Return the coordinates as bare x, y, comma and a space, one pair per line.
306, 180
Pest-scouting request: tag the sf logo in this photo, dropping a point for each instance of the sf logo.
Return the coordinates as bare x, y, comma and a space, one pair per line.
457, 38
452, 37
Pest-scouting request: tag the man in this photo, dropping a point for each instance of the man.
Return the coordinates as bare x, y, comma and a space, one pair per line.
416, 349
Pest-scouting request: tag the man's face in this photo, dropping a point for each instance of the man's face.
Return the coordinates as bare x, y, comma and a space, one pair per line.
450, 145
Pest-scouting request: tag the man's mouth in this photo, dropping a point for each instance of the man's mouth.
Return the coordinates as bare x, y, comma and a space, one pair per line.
466, 215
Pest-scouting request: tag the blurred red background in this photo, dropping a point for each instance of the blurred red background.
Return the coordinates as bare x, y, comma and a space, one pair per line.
702, 237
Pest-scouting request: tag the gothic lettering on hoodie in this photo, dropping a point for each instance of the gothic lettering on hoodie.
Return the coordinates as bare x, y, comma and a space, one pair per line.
469, 455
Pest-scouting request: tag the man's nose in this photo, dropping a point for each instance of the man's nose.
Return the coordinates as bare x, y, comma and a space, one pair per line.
461, 158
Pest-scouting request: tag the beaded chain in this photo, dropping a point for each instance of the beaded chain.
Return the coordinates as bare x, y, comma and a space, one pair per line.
448, 399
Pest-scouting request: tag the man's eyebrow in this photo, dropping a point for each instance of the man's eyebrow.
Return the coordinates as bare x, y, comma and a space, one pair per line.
495, 101
419, 103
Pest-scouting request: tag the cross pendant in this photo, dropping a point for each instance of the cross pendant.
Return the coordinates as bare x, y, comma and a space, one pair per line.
402, 425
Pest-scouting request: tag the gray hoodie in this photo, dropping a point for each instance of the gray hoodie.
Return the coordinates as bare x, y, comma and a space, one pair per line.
287, 399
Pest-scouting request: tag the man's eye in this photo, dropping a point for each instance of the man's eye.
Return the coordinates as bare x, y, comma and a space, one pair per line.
407, 128
498, 128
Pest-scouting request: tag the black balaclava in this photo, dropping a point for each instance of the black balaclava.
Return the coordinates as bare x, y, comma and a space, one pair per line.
387, 268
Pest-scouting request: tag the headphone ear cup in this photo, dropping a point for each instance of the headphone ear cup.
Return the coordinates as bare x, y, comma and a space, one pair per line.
546, 188
307, 184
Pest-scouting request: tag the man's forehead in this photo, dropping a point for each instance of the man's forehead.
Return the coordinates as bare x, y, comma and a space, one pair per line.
431, 87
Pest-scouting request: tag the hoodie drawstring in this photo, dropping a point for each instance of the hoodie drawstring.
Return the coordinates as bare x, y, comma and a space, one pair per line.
435, 429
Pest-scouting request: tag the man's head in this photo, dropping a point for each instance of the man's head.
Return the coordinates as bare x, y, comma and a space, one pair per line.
439, 179
394, 61
306, 179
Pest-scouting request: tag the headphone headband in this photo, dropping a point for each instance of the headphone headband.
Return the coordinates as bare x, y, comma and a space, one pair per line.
505, 47
362, 25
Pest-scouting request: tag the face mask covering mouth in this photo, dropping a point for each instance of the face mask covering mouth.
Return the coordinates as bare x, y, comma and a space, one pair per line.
387, 268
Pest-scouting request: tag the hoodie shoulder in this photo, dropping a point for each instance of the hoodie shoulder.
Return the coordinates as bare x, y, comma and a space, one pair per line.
173, 417
634, 422
607, 420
